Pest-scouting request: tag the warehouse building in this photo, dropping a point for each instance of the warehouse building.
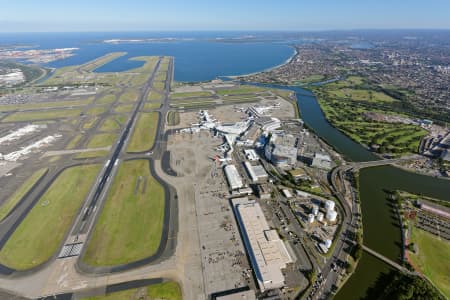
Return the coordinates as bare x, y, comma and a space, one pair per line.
233, 177
321, 161
264, 191
267, 252
256, 172
251, 154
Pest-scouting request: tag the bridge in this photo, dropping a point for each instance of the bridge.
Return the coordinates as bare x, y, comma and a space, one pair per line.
381, 162
339, 171
389, 261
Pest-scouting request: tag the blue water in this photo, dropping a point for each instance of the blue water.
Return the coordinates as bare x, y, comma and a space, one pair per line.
199, 59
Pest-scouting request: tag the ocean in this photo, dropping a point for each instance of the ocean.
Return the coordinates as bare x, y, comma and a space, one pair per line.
199, 56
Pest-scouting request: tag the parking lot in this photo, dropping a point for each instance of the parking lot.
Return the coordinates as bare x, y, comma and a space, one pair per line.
224, 262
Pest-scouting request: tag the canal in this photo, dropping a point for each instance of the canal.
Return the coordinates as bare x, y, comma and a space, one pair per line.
381, 230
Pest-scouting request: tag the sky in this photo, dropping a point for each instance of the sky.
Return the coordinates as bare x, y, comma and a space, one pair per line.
174, 15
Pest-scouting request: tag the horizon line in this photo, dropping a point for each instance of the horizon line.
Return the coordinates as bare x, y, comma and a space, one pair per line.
233, 30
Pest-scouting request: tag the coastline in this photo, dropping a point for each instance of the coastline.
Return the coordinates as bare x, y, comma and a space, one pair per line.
286, 62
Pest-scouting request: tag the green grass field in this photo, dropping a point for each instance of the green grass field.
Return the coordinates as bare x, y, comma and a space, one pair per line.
173, 118
42, 115
89, 122
100, 61
150, 105
432, 258
130, 225
161, 291
349, 82
161, 76
102, 140
73, 142
312, 78
91, 154
194, 104
190, 95
9, 205
345, 104
283, 93
154, 96
113, 123
392, 138
41, 233
144, 132
361, 95
176, 101
97, 110
245, 89
159, 85
149, 64
124, 108
107, 99
140, 80
43, 105
128, 96
234, 99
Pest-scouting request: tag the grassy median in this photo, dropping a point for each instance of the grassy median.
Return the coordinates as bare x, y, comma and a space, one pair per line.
144, 132
167, 291
102, 140
41, 233
130, 225
42, 115
8, 206
173, 118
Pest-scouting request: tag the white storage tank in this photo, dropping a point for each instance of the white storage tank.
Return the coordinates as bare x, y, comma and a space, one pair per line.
310, 218
328, 243
329, 205
320, 217
331, 215
315, 209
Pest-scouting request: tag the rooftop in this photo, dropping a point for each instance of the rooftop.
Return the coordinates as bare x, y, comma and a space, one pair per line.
267, 251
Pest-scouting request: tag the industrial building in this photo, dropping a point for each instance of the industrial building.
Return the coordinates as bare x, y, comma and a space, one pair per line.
281, 149
233, 177
267, 252
286, 193
251, 154
264, 191
321, 161
256, 172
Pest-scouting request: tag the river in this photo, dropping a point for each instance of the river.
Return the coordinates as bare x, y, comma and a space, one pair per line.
201, 60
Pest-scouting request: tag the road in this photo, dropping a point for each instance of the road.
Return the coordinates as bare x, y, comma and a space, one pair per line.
350, 223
